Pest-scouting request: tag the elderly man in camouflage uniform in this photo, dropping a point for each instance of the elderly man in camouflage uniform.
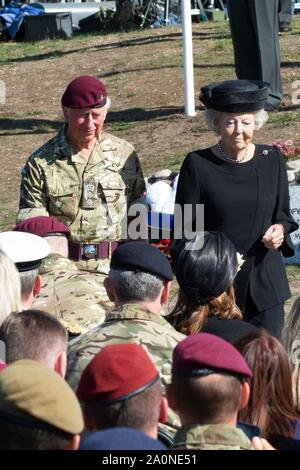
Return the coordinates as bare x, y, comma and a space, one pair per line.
139, 283
83, 176
77, 298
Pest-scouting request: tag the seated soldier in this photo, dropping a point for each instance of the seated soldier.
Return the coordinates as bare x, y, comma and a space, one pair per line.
139, 283
120, 438
77, 298
38, 409
10, 288
36, 335
209, 387
121, 387
27, 252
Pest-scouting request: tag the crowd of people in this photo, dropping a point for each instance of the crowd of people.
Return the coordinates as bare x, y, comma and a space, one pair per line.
91, 357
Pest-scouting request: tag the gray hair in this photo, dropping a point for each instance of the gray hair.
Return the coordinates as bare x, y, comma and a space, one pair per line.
131, 286
27, 282
212, 118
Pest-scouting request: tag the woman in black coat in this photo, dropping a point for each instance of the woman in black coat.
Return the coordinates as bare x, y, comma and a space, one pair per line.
244, 190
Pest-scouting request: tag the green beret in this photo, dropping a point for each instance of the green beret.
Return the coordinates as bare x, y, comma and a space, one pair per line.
32, 394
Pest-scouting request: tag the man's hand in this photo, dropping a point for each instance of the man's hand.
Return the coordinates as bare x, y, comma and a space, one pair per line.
273, 237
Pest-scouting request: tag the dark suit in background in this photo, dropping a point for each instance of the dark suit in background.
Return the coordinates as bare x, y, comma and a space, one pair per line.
254, 29
285, 15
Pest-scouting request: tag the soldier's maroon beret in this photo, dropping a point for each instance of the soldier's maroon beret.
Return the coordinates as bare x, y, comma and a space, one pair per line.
42, 226
203, 354
84, 92
117, 372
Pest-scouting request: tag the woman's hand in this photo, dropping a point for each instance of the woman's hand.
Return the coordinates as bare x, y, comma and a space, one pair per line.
259, 443
274, 236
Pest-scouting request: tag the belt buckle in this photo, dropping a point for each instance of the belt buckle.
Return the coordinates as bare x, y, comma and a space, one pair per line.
89, 251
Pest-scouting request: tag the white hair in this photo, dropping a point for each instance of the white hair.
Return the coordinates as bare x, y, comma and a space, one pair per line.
212, 118
10, 287
108, 103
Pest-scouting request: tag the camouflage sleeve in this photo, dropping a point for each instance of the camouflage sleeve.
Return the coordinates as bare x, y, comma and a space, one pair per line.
76, 366
32, 195
133, 177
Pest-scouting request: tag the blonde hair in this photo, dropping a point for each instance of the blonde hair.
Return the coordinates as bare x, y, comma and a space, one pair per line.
212, 118
189, 318
10, 287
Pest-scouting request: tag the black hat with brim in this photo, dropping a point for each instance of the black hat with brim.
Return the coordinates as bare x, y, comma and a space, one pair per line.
235, 96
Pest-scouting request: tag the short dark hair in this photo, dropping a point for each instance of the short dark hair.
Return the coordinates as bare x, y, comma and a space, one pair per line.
139, 412
17, 437
208, 399
31, 334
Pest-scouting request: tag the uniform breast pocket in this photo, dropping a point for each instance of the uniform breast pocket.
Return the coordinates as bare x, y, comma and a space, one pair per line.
114, 195
113, 189
63, 201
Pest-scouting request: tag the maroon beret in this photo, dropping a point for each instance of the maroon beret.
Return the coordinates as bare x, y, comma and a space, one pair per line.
117, 372
42, 226
84, 92
203, 354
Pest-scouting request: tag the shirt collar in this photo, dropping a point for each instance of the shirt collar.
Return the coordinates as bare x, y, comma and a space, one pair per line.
134, 312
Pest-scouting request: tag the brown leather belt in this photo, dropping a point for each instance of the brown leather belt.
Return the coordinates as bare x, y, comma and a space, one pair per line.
85, 251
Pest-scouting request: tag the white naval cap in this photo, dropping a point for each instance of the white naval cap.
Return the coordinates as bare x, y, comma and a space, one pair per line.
24, 249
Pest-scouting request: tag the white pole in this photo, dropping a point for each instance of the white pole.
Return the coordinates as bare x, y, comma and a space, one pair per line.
189, 94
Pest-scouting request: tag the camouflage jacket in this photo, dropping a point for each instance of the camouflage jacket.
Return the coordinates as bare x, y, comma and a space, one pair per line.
78, 299
90, 195
211, 437
129, 324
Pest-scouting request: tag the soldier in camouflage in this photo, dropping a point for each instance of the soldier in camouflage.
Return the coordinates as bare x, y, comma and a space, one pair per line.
78, 299
121, 387
139, 282
209, 386
84, 177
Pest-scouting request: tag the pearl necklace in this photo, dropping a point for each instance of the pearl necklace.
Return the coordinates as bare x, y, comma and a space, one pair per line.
233, 160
